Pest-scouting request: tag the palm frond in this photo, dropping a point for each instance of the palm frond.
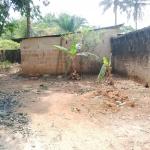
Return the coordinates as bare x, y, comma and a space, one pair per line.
69, 23
106, 4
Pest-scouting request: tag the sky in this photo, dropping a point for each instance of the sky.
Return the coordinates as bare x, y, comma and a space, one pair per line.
90, 10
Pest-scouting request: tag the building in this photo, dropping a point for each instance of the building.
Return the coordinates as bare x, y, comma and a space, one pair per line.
39, 56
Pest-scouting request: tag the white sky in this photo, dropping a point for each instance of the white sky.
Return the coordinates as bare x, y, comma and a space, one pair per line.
90, 10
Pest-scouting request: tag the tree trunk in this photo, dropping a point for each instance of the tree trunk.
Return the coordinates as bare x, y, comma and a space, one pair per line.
136, 16
28, 15
136, 24
1, 29
115, 11
116, 17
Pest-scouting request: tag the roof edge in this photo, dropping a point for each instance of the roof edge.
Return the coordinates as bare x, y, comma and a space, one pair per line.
59, 35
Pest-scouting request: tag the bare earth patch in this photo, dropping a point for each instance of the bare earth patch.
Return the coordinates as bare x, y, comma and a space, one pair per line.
52, 113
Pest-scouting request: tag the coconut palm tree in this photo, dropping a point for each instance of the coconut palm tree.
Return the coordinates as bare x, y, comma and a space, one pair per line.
130, 7
69, 23
135, 8
107, 4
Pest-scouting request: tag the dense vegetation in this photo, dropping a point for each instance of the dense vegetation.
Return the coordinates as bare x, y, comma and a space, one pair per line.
8, 45
47, 25
33, 24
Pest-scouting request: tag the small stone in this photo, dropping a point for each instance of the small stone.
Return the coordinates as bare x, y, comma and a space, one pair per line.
44, 87
118, 102
60, 77
75, 109
131, 103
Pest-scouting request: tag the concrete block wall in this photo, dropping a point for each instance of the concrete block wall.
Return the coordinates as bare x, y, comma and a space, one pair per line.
131, 54
39, 56
98, 42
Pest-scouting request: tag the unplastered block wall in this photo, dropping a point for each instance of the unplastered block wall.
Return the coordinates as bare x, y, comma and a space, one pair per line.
98, 41
131, 54
39, 56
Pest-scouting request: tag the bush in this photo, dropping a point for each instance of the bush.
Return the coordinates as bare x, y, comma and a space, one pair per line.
5, 65
8, 45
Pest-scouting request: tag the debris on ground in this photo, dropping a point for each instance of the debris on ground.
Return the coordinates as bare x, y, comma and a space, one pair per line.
75, 76
75, 109
9, 118
146, 85
115, 97
43, 87
84, 90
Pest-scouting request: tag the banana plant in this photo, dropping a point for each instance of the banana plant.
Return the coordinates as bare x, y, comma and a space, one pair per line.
106, 68
72, 52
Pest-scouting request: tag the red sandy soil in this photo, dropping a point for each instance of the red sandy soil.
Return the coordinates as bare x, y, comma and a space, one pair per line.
78, 115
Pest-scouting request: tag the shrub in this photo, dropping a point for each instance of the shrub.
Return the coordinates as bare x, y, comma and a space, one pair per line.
8, 45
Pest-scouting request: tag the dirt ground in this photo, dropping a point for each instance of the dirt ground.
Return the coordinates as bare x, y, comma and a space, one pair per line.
52, 113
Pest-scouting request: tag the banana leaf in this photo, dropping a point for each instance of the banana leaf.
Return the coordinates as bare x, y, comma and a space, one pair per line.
102, 72
73, 49
106, 61
61, 48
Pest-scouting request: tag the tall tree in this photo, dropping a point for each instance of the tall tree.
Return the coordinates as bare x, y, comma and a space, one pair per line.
130, 7
16, 29
70, 23
49, 19
107, 4
24, 7
45, 26
135, 8
4, 9
10, 28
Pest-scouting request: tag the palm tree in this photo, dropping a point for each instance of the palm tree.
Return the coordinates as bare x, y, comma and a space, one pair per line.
49, 20
28, 16
70, 23
135, 8
111, 3
130, 7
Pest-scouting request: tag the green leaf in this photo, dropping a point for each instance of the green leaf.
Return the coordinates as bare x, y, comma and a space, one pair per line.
88, 54
8, 45
73, 49
102, 72
61, 48
106, 61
